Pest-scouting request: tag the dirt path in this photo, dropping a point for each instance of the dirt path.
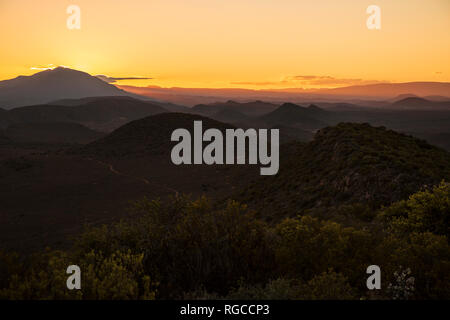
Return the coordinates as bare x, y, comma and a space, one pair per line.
144, 180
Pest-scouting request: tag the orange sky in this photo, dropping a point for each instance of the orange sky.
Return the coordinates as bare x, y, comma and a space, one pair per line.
232, 43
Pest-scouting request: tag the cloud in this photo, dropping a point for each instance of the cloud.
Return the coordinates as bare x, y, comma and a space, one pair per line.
48, 67
115, 79
329, 81
256, 83
310, 81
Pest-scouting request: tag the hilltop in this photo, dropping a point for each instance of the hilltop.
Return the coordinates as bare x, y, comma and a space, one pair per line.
295, 115
348, 164
103, 114
148, 136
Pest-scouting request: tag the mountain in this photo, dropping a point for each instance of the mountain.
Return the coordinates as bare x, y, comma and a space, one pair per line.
294, 115
252, 109
368, 95
103, 114
421, 103
53, 132
229, 116
78, 102
347, 164
148, 136
50, 85
391, 90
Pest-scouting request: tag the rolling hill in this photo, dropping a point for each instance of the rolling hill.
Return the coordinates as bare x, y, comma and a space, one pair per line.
347, 164
421, 103
53, 132
294, 115
148, 136
251, 109
103, 114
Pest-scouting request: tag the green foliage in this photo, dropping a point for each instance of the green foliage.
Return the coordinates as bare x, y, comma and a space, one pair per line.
118, 276
279, 289
347, 164
427, 256
328, 286
188, 244
425, 211
197, 249
307, 247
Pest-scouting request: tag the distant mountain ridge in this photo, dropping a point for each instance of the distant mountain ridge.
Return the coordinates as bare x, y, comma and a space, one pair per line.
292, 114
253, 108
421, 103
103, 114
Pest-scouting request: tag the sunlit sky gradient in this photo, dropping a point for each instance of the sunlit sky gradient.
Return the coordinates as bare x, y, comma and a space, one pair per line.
231, 43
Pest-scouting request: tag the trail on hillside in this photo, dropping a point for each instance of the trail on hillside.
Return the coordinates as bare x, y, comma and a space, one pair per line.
142, 179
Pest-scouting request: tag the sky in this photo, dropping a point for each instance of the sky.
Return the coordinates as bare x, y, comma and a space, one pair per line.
256, 44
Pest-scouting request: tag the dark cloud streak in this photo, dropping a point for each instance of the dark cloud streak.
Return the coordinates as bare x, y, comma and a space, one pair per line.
115, 79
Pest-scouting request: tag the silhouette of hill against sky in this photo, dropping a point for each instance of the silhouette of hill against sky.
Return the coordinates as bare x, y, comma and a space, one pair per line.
229, 116
254, 108
347, 164
103, 114
421, 103
50, 85
372, 93
295, 115
391, 90
149, 136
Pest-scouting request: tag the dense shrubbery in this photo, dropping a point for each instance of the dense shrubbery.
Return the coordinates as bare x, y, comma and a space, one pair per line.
196, 249
345, 165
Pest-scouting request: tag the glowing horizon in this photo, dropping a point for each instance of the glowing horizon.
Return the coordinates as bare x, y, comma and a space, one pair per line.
251, 44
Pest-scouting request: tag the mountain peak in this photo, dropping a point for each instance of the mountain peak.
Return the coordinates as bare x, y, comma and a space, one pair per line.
289, 105
55, 84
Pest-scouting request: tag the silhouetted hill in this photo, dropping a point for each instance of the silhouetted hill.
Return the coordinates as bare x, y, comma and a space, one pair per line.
78, 102
421, 103
50, 85
53, 132
391, 90
347, 164
253, 109
229, 116
151, 135
295, 115
103, 114
288, 134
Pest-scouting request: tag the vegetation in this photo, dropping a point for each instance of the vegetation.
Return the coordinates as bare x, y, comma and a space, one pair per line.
348, 164
371, 197
186, 248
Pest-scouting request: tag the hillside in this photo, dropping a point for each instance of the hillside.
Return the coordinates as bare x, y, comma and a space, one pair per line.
97, 113
149, 136
391, 90
252, 109
229, 116
344, 164
53, 132
295, 115
421, 103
